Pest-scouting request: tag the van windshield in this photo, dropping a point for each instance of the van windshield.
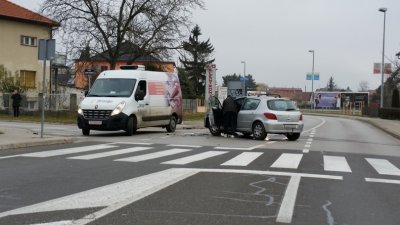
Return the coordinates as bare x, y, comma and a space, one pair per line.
114, 87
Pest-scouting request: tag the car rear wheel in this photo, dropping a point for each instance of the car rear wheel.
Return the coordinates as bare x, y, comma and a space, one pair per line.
215, 131
171, 127
293, 136
259, 132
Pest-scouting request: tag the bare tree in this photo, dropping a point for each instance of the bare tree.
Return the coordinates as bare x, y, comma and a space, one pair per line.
128, 28
363, 86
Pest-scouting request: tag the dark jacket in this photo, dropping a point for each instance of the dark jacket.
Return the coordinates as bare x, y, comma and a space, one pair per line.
16, 99
229, 105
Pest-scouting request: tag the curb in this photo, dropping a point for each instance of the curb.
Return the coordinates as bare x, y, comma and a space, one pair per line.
38, 143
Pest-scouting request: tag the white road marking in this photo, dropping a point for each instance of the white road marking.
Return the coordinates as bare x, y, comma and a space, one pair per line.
113, 196
134, 143
154, 155
287, 206
194, 158
243, 149
288, 160
384, 167
243, 159
336, 163
314, 128
385, 181
310, 139
271, 173
271, 142
306, 150
186, 146
311, 136
68, 151
308, 142
307, 146
110, 153
64, 222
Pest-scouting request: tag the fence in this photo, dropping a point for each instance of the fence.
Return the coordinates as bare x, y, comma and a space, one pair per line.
53, 102
70, 102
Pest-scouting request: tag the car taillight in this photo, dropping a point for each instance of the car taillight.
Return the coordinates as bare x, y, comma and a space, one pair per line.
301, 117
270, 116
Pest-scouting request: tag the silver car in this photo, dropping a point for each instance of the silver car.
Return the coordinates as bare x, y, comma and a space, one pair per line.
259, 116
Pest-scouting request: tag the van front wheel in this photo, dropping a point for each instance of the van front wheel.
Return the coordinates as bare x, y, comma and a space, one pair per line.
131, 126
171, 127
86, 131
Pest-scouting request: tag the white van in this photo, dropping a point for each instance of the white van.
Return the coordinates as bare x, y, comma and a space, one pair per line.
131, 98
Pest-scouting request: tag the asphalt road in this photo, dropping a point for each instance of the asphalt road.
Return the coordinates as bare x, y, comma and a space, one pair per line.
340, 171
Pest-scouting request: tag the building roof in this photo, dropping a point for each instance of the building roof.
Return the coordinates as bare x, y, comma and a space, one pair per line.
13, 11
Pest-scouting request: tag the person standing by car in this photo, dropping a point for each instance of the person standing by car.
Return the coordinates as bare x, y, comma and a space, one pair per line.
16, 97
229, 112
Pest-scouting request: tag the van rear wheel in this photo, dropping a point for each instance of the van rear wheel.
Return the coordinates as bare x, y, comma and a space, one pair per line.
171, 127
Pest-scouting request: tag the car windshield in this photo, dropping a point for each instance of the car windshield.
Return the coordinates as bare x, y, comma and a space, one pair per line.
115, 87
281, 105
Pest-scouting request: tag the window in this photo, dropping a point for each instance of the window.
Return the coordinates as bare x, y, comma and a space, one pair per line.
103, 68
30, 41
27, 78
251, 104
281, 105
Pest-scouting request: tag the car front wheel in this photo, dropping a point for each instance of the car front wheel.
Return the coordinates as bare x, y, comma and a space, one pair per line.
259, 132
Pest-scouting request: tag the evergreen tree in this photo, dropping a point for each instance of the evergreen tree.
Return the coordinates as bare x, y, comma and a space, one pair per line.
186, 86
196, 58
331, 86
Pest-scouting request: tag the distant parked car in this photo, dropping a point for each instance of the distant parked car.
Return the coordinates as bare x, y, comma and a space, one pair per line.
258, 116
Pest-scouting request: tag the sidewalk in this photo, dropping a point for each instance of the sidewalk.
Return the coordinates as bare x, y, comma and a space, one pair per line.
21, 138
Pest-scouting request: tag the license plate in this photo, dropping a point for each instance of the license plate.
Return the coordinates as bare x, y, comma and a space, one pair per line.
290, 126
91, 122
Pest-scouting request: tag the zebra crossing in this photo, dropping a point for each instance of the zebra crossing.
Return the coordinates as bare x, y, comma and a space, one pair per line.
147, 152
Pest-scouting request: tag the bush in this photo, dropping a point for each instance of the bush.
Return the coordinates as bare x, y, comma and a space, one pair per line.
389, 113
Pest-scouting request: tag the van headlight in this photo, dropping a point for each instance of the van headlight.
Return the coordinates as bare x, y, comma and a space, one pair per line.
80, 111
118, 109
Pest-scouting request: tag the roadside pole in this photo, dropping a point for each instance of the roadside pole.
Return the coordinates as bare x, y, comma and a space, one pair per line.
47, 51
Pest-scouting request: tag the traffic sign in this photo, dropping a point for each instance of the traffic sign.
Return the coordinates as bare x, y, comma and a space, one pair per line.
89, 72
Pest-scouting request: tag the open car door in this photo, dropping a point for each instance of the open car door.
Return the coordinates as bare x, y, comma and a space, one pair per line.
215, 112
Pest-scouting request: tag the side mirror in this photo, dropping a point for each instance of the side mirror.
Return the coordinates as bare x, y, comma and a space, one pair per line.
86, 92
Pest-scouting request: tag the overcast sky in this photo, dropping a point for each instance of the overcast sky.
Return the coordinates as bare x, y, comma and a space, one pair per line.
273, 37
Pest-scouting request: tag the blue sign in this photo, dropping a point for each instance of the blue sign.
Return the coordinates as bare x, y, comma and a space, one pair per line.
309, 76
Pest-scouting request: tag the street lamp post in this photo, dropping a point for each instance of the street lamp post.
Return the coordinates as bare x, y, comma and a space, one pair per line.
383, 54
312, 79
244, 77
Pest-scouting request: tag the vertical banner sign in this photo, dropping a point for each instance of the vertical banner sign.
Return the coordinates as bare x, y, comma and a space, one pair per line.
211, 76
386, 70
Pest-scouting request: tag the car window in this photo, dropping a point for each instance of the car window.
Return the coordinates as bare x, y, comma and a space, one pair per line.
251, 104
239, 102
281, 105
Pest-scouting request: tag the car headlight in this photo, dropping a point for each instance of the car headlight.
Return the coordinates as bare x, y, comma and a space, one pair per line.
118, 109
80, 111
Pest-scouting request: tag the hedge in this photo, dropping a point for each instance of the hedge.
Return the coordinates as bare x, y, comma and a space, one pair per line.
389, 113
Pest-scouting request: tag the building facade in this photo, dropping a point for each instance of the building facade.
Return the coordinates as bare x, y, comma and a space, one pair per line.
21, 30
